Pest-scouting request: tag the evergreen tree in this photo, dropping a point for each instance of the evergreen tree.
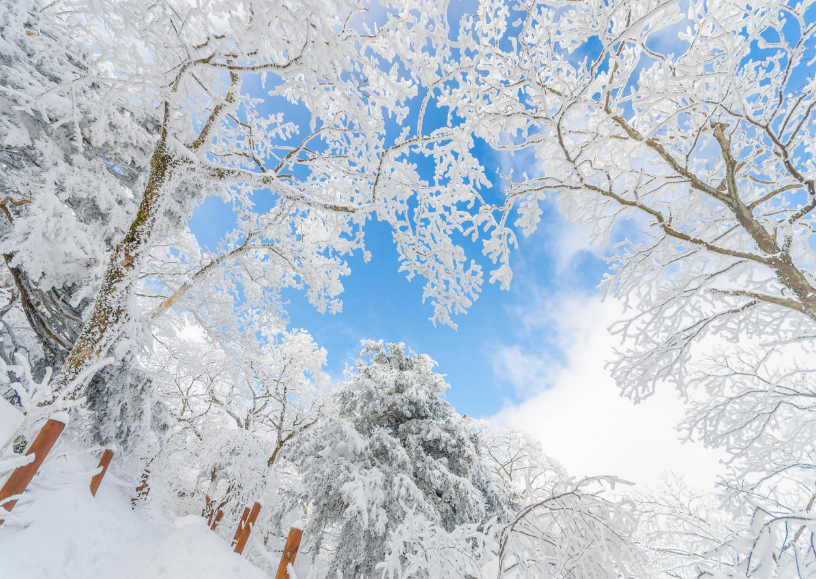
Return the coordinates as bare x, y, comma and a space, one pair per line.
396, 448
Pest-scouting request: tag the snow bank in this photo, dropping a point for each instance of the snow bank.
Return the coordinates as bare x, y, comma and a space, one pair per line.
73, 535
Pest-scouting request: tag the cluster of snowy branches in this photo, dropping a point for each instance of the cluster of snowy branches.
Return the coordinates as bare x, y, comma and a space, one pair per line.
693, 119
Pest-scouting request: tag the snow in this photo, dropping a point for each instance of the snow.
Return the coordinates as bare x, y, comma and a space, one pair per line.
11, 420
70, 534
62, 416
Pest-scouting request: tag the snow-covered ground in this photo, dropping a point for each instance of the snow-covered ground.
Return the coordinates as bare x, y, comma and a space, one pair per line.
64, 532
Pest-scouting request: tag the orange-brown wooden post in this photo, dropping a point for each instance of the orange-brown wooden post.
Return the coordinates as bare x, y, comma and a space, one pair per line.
19, 479
240, 530
218, 515
245, 527
289, 553
212, 513
142, 490
104, 463
207, 512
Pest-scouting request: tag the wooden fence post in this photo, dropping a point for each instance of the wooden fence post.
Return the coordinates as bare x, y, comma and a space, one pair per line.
213, 513
19, 479
245, 527
104, 463
208, 512
289, 553
218, 515
142, 490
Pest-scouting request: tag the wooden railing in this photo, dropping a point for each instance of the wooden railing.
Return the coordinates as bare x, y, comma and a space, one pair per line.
20, 478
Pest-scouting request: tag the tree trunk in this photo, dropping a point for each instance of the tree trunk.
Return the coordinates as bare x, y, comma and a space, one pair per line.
110, 311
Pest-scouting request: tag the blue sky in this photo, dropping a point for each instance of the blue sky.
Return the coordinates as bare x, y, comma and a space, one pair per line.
380, 303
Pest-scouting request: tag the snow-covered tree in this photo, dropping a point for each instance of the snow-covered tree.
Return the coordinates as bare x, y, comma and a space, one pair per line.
577, 529
196, 71
232, 413
754, 401
557, 526
66, 185
395, 449
517, 459
695, 120
71, 171
398, 484
686, 532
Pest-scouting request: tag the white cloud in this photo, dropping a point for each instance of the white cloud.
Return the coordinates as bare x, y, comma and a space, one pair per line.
577, 412
572, 240
523, 369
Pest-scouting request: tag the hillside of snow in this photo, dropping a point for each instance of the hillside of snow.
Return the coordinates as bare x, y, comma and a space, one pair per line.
61, 531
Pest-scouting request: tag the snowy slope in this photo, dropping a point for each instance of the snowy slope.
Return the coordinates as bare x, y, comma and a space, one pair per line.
74, 535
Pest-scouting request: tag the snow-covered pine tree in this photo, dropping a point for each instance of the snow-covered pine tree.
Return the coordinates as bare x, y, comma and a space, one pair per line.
396, 448
400, 485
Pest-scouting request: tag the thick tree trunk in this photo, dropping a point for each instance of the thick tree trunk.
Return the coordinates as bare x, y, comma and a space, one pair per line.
110, 311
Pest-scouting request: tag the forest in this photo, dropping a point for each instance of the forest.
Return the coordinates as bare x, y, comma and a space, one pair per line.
678, 135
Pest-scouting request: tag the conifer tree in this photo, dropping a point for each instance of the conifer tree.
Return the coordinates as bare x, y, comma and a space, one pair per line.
395, 448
